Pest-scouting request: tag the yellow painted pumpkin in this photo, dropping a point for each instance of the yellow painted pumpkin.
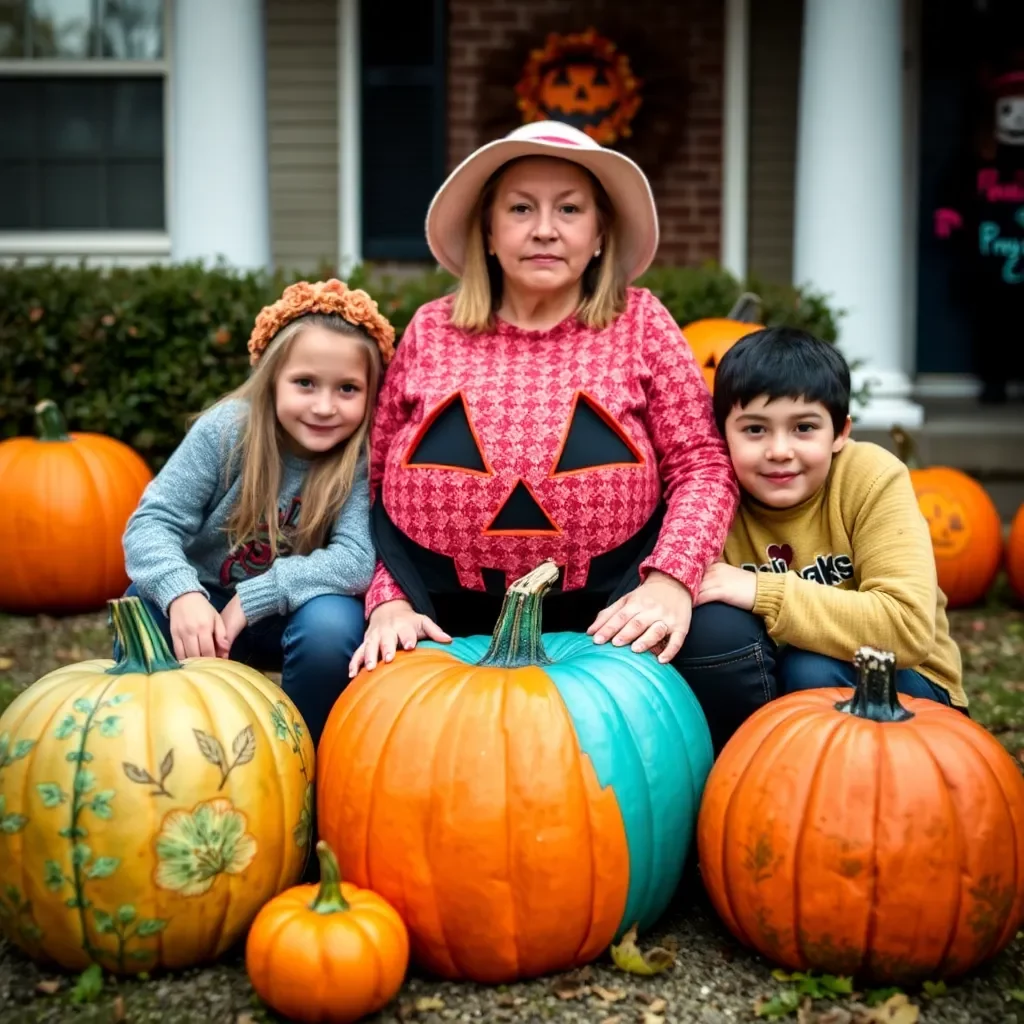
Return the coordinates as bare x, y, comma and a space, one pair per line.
965, 526
148, 808
712, 337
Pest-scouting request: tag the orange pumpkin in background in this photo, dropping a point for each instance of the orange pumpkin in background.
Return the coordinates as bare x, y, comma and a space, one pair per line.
711, 337
1015, 554
67, 500
966, 530
871, 835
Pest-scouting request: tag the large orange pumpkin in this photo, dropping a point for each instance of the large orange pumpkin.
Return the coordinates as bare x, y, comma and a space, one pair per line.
521, 802
67, 498
712, 337
1015, 554
965, 526
870, 835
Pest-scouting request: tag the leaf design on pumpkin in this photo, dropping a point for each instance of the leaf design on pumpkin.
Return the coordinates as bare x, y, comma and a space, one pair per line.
195, 847
143, 777
243, 747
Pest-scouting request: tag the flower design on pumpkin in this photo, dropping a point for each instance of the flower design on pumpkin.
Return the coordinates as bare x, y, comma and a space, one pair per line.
196, 846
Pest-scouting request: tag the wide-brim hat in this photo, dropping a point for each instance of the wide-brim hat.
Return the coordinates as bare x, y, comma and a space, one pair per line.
448, 219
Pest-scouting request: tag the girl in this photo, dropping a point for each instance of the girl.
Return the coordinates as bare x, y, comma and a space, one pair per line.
253, 541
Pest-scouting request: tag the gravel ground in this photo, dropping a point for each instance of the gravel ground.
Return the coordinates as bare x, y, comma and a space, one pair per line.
713, 980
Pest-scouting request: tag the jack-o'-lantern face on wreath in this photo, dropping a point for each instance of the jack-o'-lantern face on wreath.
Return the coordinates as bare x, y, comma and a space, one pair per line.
592, 440
582, 92
948, 523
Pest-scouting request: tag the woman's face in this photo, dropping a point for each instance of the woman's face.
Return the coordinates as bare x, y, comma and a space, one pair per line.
544, 225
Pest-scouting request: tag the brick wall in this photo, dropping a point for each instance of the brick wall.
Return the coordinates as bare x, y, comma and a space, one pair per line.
687, 187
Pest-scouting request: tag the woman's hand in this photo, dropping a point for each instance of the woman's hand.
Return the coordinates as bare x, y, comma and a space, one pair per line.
391, 624
730, 585
234, 622
654, 616
197, 630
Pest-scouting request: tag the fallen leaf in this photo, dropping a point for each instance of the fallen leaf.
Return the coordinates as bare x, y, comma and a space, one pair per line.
658, 1006
896, 1010
48, 986
628, 957
427, 1003
653, 1018
6, 663
117, 1011
836, 1015
609, 995
567, 990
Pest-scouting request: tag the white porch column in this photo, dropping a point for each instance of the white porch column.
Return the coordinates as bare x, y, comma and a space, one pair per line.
220, 199
849, 240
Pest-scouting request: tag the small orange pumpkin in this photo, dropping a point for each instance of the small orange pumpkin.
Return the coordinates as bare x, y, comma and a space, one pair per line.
869, 835
335, 953
965, 526
1015, 554
67, 499
712, 337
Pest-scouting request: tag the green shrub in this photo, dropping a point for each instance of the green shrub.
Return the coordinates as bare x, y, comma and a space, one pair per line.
133, 352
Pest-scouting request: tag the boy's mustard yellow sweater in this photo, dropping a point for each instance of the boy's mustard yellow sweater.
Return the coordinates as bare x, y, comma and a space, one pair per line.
851, 565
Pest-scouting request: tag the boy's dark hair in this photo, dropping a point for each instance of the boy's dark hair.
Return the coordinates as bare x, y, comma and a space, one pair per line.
782, 362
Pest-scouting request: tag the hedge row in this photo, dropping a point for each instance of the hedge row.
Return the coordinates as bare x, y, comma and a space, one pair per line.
131, 352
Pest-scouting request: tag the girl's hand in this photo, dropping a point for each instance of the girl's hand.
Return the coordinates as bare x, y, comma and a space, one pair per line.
196, 629
655, 615
393, 623
730, 585
234, 622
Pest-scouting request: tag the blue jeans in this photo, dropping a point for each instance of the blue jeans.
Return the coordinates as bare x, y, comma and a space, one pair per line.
805, 670
311, 649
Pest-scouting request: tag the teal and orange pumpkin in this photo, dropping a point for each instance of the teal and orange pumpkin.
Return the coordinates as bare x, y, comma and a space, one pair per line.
520, 800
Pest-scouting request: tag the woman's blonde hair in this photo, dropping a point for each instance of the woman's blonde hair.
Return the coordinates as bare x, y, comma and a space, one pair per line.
257, 453
603, 285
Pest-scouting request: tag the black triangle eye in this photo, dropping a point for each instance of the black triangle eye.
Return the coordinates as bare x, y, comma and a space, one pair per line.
447, 440
594, 440
600, 77
710, 363
521, 513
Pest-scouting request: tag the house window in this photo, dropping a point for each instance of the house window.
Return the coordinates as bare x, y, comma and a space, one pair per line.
82, 86
403, 125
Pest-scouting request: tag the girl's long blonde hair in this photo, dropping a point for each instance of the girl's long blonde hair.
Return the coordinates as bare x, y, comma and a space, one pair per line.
478, 296
257, 453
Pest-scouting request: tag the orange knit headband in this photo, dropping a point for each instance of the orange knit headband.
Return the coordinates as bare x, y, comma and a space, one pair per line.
333, 296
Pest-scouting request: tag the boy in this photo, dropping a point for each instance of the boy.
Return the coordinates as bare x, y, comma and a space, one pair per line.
829, 545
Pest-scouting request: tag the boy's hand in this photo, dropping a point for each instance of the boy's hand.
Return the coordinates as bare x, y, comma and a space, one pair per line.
234, 622
196, 628
730, 585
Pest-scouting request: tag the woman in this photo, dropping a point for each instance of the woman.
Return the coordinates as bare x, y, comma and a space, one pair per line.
547, 410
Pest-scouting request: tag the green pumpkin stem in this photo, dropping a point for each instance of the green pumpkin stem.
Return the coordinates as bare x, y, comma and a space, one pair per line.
143, 647
50, 425
906, 450
328, 899
517, 638
874, 696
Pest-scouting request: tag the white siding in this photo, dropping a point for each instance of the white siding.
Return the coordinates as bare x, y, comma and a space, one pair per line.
302, 115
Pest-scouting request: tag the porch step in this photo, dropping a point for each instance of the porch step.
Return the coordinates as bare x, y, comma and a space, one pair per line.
985, 441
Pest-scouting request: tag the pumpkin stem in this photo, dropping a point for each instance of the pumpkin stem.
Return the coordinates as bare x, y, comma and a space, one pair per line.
516, 640
906, 450
746, 309
50, 425
328, 899
875, 697
143, 648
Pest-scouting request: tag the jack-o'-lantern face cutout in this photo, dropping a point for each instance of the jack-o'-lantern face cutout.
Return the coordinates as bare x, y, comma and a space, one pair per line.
592, 440
710, 339
583, 80
947, 523
579, 94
